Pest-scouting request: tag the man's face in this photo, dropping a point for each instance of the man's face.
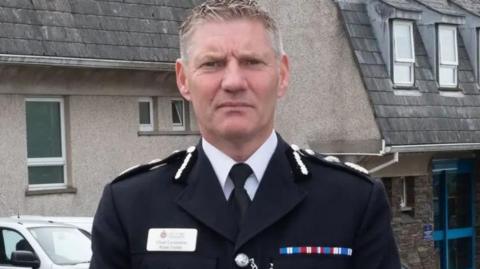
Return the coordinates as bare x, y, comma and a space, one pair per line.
233, 79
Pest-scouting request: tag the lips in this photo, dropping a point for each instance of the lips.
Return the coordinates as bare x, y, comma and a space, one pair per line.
234, 105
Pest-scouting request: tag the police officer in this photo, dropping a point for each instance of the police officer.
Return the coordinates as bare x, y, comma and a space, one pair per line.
242, 197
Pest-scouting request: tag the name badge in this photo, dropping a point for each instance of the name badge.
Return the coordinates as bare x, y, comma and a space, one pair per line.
184, 240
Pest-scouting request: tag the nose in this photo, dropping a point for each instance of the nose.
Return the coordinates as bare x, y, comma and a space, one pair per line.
233, 78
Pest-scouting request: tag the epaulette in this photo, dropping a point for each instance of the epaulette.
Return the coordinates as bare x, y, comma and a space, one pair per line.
302, 171
187, 155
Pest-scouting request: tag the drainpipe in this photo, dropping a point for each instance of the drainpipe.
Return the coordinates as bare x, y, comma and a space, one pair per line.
383, 152
385, 165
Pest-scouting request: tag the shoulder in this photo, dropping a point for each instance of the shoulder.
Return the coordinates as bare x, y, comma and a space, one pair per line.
178, 160
308, 161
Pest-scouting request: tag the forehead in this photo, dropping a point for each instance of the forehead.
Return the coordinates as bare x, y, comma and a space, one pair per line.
237, 34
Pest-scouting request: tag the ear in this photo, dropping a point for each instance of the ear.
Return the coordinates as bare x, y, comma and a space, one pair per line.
182, 83
284, 76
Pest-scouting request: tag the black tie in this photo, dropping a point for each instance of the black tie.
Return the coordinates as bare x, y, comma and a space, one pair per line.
239, 174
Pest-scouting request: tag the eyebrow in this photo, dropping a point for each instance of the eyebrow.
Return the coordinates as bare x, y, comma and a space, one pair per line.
252, 54
210, 56
220, 55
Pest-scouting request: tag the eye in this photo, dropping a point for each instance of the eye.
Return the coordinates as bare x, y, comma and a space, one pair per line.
212, 64
252, 62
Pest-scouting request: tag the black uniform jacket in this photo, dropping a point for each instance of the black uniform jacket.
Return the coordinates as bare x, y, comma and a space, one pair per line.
331, 207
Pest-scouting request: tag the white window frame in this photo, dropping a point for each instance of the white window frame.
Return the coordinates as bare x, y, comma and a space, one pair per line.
178, 126
403, 61
448, 64
403, 196
404, 205
146, 127
478, 56
55, 161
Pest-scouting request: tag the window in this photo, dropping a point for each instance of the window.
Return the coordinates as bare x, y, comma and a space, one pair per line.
45, 143
403, 53
145, 109
178, 114
407, 193
163, 115
11, 241
447, 56
64, 245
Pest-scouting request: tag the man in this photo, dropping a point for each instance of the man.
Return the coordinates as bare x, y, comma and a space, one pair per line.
242, 198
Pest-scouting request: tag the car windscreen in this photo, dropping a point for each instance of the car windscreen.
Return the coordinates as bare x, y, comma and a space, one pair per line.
64, 245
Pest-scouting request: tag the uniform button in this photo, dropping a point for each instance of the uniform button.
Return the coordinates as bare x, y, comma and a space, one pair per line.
242, 260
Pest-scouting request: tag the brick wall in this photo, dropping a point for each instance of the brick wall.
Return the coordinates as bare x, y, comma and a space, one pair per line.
415, 252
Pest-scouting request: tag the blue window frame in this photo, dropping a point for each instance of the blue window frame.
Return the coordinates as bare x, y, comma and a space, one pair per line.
454, 215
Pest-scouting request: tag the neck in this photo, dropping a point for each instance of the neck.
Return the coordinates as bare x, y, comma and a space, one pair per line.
239, 149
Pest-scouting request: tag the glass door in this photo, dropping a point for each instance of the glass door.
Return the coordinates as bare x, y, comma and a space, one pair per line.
453, 205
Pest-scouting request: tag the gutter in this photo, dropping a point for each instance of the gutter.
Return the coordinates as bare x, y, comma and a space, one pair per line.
85, 62
396, 150
433, 147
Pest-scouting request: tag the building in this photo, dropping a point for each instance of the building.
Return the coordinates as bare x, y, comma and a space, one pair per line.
419, 62
87, 90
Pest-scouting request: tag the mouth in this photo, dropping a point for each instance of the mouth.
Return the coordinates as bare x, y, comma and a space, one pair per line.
234, 105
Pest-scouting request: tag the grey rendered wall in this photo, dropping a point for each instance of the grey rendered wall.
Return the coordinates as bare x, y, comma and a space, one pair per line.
326, 103
94, 145
102, 137
12, 154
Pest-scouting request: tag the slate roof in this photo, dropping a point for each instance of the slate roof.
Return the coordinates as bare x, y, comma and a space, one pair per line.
403, 4
133, 30
413, 120
469, 5
441, 6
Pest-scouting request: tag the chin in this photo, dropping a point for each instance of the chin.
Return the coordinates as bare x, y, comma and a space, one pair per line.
237, 131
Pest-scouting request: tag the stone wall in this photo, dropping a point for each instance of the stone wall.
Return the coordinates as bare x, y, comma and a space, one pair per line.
415, 252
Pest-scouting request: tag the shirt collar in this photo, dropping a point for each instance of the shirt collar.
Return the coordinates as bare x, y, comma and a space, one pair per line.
258, 161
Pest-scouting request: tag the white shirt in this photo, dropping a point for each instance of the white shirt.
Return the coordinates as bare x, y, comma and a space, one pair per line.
259, 160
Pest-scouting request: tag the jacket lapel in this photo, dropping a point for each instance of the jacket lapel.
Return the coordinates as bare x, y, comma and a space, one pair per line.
277, 195
203, 199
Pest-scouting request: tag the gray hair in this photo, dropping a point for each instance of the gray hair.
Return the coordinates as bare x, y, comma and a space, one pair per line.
225, 10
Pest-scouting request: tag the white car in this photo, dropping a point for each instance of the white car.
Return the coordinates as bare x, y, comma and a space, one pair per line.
40, 244
84, 223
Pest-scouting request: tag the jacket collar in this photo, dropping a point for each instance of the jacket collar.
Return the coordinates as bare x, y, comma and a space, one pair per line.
277, 195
